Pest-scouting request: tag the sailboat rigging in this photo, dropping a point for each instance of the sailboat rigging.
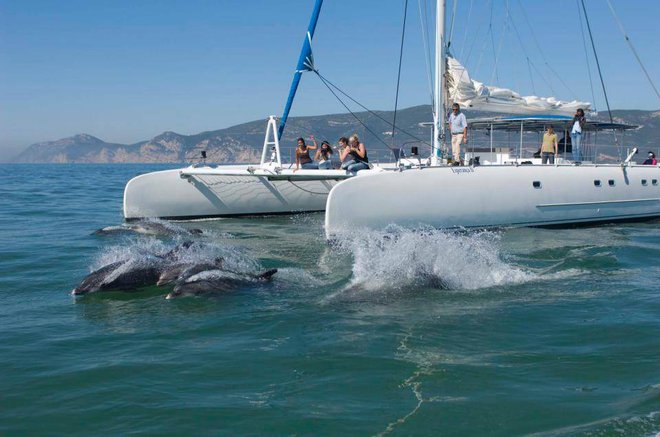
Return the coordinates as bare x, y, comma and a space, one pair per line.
507, 192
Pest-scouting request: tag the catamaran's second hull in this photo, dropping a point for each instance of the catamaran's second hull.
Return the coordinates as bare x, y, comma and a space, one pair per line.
494, 196
191, 193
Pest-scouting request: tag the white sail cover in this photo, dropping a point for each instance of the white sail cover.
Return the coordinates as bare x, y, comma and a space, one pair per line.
472, 94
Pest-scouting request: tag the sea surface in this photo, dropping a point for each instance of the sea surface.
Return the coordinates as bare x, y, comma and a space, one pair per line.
513, 332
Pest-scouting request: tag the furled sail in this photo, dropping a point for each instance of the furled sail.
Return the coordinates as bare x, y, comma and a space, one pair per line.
472, 94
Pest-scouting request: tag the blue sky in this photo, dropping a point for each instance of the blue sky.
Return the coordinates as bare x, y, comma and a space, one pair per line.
128, 70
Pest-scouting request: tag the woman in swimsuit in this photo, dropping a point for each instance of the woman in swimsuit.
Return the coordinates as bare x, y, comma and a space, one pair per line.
303, 160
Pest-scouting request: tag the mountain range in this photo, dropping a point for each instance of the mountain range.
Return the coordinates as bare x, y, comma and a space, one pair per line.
243, 143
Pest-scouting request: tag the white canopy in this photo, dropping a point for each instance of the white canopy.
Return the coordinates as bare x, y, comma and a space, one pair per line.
472, 94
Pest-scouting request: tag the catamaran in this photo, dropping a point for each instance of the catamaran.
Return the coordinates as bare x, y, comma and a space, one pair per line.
503, 192
269, 187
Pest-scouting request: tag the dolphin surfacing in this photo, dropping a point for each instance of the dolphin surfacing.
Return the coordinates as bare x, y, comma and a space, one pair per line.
217, 281
126, 275
183, 271
146, 227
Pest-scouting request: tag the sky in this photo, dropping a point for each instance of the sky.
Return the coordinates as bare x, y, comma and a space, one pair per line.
126, 71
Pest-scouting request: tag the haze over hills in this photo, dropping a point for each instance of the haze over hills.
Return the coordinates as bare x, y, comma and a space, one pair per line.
242, 143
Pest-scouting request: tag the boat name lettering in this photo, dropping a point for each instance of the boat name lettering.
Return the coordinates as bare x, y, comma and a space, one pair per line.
462, 170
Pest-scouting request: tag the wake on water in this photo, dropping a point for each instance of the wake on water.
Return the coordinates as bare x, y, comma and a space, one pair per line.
399, 259
394, 260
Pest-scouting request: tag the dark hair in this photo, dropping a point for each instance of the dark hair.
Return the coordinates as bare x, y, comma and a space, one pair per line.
301, 139
325, 143
456, 105
581, 111
343, 140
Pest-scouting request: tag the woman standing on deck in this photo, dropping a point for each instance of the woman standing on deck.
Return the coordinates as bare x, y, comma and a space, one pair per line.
549, 148
578, 123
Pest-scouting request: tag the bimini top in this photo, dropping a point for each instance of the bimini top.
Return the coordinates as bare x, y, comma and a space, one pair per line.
538, 123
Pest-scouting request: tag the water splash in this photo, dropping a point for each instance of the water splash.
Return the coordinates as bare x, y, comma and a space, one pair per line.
148, 251
402, 259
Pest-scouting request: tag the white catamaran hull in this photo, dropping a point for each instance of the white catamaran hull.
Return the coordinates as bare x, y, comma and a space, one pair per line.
494, 196
227, 191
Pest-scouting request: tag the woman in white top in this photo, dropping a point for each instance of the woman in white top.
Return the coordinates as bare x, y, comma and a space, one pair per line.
576, 134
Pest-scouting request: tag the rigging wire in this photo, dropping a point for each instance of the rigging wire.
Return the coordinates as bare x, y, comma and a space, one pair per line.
530, 63
545, 60
625, 35
499, 46
492, 41
474, 40
586, 55
380, 117
531, 76
398, 78
465, 33
593, 46
600, 74
538, 46
451, 25
427, 54
352, 113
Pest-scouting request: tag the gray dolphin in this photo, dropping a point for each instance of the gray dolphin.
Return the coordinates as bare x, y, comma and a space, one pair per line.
94, 280
146, 228
217, 281
184, 270
127, 275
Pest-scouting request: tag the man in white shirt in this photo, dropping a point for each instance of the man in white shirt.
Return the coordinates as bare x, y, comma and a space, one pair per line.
458, 128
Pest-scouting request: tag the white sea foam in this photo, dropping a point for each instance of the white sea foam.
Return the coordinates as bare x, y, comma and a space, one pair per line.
148, 250
402, 259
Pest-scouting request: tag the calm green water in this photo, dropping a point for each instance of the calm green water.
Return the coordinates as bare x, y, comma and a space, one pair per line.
555, 332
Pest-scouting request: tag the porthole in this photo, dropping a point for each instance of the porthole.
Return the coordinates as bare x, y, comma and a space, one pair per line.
644, 182
536, 184
611, 182
654, 181
596, 183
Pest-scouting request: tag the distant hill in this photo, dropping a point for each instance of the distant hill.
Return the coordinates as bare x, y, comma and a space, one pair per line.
242, 143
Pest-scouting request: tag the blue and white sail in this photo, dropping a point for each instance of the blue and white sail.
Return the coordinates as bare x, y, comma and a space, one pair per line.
305, 63
472, 94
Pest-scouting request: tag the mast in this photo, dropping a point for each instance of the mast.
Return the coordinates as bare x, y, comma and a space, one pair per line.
305, 63
439, 112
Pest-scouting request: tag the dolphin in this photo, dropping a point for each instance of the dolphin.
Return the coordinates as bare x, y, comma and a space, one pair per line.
217, 281
94, 280
147, 228
126, 275
184, 270
176, 252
